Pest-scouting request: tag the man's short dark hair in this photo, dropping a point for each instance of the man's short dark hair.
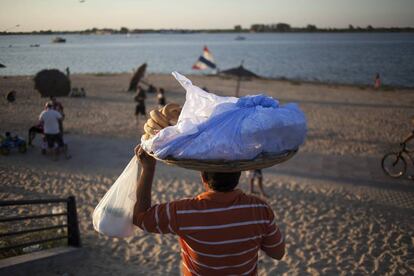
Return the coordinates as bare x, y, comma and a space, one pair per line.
221, 181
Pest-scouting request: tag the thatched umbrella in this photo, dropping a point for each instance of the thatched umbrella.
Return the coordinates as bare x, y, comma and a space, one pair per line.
240, 72
139, 74
52, 82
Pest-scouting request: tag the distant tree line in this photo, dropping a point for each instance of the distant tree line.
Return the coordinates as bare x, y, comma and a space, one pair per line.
257, 28
122, 30
284, 27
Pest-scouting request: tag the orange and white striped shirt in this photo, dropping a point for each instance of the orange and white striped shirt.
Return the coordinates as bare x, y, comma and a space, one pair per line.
220, 232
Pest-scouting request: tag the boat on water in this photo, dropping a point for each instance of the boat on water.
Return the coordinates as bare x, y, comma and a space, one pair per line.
59, 40
240, 38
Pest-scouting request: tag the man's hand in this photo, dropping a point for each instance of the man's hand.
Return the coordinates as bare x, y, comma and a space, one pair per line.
147, 161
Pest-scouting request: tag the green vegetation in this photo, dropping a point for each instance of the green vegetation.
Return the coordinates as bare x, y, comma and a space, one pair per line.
257, 28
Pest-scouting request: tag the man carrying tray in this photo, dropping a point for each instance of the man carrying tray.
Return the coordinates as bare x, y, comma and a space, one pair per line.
220, 231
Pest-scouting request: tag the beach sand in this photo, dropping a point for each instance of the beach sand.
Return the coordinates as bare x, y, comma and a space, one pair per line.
339, 212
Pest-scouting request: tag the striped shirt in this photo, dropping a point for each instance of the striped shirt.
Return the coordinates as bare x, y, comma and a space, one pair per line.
219, 233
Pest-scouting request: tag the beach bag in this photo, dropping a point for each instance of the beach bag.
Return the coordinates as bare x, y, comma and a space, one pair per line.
114, 214
211, 127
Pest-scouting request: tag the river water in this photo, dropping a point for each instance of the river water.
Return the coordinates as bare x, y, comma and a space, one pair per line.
351, 58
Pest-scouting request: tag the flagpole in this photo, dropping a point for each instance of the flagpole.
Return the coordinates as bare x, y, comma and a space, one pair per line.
238, 86
238, 80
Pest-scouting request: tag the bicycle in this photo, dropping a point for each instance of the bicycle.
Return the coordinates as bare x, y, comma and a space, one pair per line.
394, 163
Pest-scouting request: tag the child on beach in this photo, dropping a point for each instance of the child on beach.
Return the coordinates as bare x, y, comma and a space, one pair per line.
253, 175
161, 98
140, 99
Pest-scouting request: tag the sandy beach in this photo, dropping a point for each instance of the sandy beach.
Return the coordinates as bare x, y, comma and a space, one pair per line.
341, 215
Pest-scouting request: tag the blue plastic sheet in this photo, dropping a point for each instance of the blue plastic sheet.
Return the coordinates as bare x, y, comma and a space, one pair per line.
227, 128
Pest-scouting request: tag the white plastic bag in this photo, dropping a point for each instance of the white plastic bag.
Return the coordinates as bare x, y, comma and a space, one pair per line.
113, 215
211, 127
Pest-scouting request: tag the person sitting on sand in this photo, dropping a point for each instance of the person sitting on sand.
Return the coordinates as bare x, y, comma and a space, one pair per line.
50, 119
253, 175
32, 132
220, 231
38, 128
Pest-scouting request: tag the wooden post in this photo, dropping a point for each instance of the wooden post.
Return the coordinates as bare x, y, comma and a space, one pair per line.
73, 226
238, 86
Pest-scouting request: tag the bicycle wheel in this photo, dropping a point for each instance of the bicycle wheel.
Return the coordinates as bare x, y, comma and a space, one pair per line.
394, 164
409, 146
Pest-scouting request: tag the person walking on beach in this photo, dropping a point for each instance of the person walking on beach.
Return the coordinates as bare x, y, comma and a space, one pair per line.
377, 81
161, 98
220, 231
50, 119
140, 100
253, 175
68, 72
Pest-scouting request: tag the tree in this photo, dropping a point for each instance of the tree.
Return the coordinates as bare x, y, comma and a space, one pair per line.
311, 28
238, 28
282, 27
351, 27
257, 28
46, 32
124, 30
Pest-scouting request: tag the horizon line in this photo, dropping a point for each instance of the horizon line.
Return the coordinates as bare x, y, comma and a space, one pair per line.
291, 29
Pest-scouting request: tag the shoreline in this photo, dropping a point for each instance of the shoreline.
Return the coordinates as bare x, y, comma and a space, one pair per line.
294, 30
292, 81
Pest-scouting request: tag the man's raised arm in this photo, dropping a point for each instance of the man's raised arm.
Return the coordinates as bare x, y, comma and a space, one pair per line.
144, 182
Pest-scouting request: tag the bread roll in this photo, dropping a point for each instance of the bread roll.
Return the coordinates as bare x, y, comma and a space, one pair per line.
152, 124
146, 136
159, 118
171, 111
150, 130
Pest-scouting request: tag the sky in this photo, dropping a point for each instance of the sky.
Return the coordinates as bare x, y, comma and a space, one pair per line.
70, 15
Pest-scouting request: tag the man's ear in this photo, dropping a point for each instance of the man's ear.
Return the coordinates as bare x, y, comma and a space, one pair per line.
205, 183
203, 179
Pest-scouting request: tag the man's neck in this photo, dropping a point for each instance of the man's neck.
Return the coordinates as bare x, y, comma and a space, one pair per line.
208, 189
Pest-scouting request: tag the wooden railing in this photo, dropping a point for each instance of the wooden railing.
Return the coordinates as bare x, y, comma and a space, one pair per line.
72, 236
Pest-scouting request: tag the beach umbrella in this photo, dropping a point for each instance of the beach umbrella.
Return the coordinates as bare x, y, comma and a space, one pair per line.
2, 66
240, 72
11, 96
139, 74
52, 82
